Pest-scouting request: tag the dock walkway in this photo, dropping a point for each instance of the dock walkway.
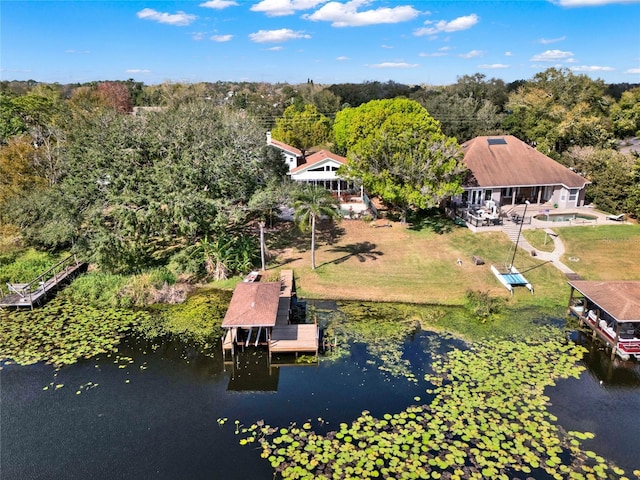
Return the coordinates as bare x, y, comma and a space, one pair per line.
34, 292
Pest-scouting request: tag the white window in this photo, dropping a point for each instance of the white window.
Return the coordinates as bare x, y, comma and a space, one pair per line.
573, 194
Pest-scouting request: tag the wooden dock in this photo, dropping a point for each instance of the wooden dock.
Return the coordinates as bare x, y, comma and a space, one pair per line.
300, 338
35, 292
260, 314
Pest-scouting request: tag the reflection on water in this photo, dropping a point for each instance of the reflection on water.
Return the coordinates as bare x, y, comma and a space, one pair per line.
153, 410
614, 373
605, 401
250, 371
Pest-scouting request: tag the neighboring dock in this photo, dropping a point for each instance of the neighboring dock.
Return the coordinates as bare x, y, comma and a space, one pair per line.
612, 311
35, 292
260, 314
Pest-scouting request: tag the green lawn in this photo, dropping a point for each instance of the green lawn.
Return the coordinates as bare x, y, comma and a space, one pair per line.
399, 264
606, 252
539, 239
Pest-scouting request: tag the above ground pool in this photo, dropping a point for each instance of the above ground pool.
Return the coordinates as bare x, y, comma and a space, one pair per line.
564, 217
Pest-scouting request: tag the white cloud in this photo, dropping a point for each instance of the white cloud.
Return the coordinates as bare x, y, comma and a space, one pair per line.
219, 4
386, 46
455, 25
78, 52
442, 52
472, 54
633, 71
137, 70
275, 49
508, 54
394, 65
279, 8
552, 56
275, 36
342, 59
592, 68
180, 18
546, 41
347, 14
589, 3
221, 38
492, 66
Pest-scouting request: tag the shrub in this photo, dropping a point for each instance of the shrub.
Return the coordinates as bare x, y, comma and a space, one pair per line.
25, 266
482, 305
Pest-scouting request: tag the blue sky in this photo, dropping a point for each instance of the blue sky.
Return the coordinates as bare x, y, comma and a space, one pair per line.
328, 41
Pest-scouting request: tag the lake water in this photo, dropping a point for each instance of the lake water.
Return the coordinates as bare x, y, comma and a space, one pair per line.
154, 412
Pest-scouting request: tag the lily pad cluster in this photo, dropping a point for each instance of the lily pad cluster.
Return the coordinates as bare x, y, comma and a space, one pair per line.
383, 328
488, 419
62, 333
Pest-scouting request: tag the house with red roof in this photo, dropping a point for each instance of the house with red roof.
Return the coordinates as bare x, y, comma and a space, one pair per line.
508, 171
318, 168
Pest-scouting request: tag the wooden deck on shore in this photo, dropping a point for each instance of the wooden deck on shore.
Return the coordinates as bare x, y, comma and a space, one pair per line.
35, 292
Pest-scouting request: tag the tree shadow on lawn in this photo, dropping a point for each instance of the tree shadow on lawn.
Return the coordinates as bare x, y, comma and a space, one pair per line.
363, 251
433, 220
288, 235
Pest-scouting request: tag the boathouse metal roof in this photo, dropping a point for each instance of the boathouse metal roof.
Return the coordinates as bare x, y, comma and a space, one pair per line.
253, 305
620, 299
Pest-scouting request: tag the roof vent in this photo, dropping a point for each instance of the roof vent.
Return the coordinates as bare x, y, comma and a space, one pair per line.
497, 141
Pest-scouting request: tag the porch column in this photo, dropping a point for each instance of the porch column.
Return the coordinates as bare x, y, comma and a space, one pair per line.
539, 195
361, 193
513, 197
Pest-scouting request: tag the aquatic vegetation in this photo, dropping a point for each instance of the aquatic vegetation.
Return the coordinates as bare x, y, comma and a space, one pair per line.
383, 328
198, 318
99, 289
62, 333
488, 419
117, 290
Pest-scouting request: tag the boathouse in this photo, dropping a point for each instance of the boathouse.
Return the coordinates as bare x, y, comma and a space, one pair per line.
612, 311
260, 314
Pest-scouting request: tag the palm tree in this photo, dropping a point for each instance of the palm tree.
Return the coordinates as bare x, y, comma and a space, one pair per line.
311, 204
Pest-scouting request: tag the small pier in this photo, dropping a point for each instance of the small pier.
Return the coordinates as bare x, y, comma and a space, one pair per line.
34, 292
612, 311
259, 314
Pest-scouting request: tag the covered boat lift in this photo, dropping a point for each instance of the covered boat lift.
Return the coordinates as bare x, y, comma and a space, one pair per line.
260, 314
612, 311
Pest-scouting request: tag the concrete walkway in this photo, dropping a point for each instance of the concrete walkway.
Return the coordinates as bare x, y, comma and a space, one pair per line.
553, 257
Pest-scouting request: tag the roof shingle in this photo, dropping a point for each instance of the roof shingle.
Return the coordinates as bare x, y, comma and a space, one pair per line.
506, 161
253, 305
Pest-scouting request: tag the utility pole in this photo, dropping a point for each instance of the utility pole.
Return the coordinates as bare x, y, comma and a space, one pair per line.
262, 224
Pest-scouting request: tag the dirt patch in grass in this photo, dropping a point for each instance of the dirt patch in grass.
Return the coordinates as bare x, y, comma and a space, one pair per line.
359, 261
